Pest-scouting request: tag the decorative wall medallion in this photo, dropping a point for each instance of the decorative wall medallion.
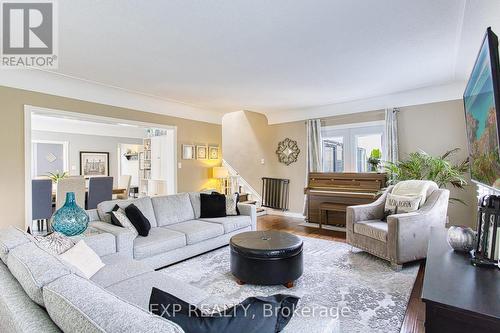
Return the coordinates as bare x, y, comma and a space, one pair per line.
288, 151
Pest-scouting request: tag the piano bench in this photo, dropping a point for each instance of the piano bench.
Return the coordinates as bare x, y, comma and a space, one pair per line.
329, 207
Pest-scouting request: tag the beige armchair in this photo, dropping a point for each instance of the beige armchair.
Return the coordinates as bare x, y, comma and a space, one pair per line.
404, 237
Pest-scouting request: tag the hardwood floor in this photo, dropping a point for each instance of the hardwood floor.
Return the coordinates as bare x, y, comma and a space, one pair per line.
415, 313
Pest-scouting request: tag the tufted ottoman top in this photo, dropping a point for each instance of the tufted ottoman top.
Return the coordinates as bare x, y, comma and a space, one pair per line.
266, 244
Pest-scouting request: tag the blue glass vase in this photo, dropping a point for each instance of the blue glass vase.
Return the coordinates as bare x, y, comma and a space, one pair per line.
70, 219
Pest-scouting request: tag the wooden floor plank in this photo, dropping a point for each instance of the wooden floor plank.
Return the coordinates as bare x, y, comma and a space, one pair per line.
415, 313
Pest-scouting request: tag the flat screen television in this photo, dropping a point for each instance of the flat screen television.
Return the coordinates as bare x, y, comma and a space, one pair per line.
482, 107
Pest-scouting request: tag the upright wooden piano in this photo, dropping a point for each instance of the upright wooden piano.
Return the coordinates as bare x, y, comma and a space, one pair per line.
329, 194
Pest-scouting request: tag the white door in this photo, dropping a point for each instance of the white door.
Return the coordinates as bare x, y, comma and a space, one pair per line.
156, 152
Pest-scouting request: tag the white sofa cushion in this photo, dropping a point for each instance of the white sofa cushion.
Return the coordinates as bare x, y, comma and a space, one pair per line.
375, 229
196, 202
137, 290
33, 268
158, 241
197, 231
170, 209
144, 204
18, 312
119, 268
231, 223
11, 238
414, 188
79, 305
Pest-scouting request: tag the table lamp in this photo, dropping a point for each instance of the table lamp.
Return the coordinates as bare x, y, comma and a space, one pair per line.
220, 173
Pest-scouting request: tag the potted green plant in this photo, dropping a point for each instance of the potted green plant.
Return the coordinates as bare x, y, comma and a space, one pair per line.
374, 159
57, 176
440, 169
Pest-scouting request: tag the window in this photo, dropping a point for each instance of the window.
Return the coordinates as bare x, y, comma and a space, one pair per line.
333, 154
348, 147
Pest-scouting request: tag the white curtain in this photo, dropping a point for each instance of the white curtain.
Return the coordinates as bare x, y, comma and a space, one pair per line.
314, 156
391, 135
314, 146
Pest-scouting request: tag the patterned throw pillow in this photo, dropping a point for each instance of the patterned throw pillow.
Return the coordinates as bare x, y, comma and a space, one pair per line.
55, 242
232, 204
120, 219
398, 204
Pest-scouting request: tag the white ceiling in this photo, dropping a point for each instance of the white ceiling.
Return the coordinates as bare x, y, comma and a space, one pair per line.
285, 58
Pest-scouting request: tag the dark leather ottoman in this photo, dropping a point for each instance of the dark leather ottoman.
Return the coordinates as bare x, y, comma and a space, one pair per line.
266, 257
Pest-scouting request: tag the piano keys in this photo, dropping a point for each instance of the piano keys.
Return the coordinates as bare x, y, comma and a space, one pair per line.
330, 193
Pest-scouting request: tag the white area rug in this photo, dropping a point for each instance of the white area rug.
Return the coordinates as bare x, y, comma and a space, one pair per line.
372, 297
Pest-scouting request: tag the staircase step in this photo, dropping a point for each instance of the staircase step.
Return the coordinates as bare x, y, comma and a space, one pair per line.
261, 211
249, 202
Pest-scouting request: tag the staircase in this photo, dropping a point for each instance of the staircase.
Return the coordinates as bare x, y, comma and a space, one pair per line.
248, 194
245, 198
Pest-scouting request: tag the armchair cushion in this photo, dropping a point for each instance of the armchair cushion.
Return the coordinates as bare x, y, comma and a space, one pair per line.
375, 229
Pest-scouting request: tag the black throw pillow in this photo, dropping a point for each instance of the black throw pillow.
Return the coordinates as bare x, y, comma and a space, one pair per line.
254, 315
140, 222
212, 205
114, 220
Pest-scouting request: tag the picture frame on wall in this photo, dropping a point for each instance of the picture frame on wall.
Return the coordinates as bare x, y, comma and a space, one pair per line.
188, 152
213, 152
201, 152
94, 164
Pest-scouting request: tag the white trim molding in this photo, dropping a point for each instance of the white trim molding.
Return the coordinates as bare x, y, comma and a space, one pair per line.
71, 87
425, 95
29, 110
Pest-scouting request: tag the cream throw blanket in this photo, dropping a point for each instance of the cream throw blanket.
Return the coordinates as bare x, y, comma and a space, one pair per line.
415, 188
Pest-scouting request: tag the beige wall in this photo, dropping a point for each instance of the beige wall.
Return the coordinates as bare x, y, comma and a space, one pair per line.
434, 128
194, 174
296, 172
245, 143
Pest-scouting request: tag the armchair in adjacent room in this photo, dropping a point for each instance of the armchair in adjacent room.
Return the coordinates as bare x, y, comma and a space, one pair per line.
402, 237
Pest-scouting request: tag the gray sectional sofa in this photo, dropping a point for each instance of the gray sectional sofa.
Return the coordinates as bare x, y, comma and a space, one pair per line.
177, 231
40, 293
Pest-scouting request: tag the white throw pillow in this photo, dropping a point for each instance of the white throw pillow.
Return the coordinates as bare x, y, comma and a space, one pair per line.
83, 258
122, 219
398, 204
414, 188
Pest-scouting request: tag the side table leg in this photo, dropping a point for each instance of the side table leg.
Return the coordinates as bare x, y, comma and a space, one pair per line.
238, 281
289, 284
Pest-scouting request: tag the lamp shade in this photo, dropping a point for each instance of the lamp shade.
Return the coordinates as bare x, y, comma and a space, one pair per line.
220, 172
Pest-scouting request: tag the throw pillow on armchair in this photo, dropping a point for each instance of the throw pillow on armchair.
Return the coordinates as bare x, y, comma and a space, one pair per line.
398, 204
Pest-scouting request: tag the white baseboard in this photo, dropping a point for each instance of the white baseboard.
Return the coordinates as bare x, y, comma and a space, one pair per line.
278, 212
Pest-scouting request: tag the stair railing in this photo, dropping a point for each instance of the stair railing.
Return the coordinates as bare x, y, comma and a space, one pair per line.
236, 181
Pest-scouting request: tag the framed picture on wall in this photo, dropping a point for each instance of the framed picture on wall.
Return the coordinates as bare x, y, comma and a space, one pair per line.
94, 164
187, 152
201, 152
213, 152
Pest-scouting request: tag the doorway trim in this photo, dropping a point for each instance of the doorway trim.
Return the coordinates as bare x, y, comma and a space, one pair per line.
30, 109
